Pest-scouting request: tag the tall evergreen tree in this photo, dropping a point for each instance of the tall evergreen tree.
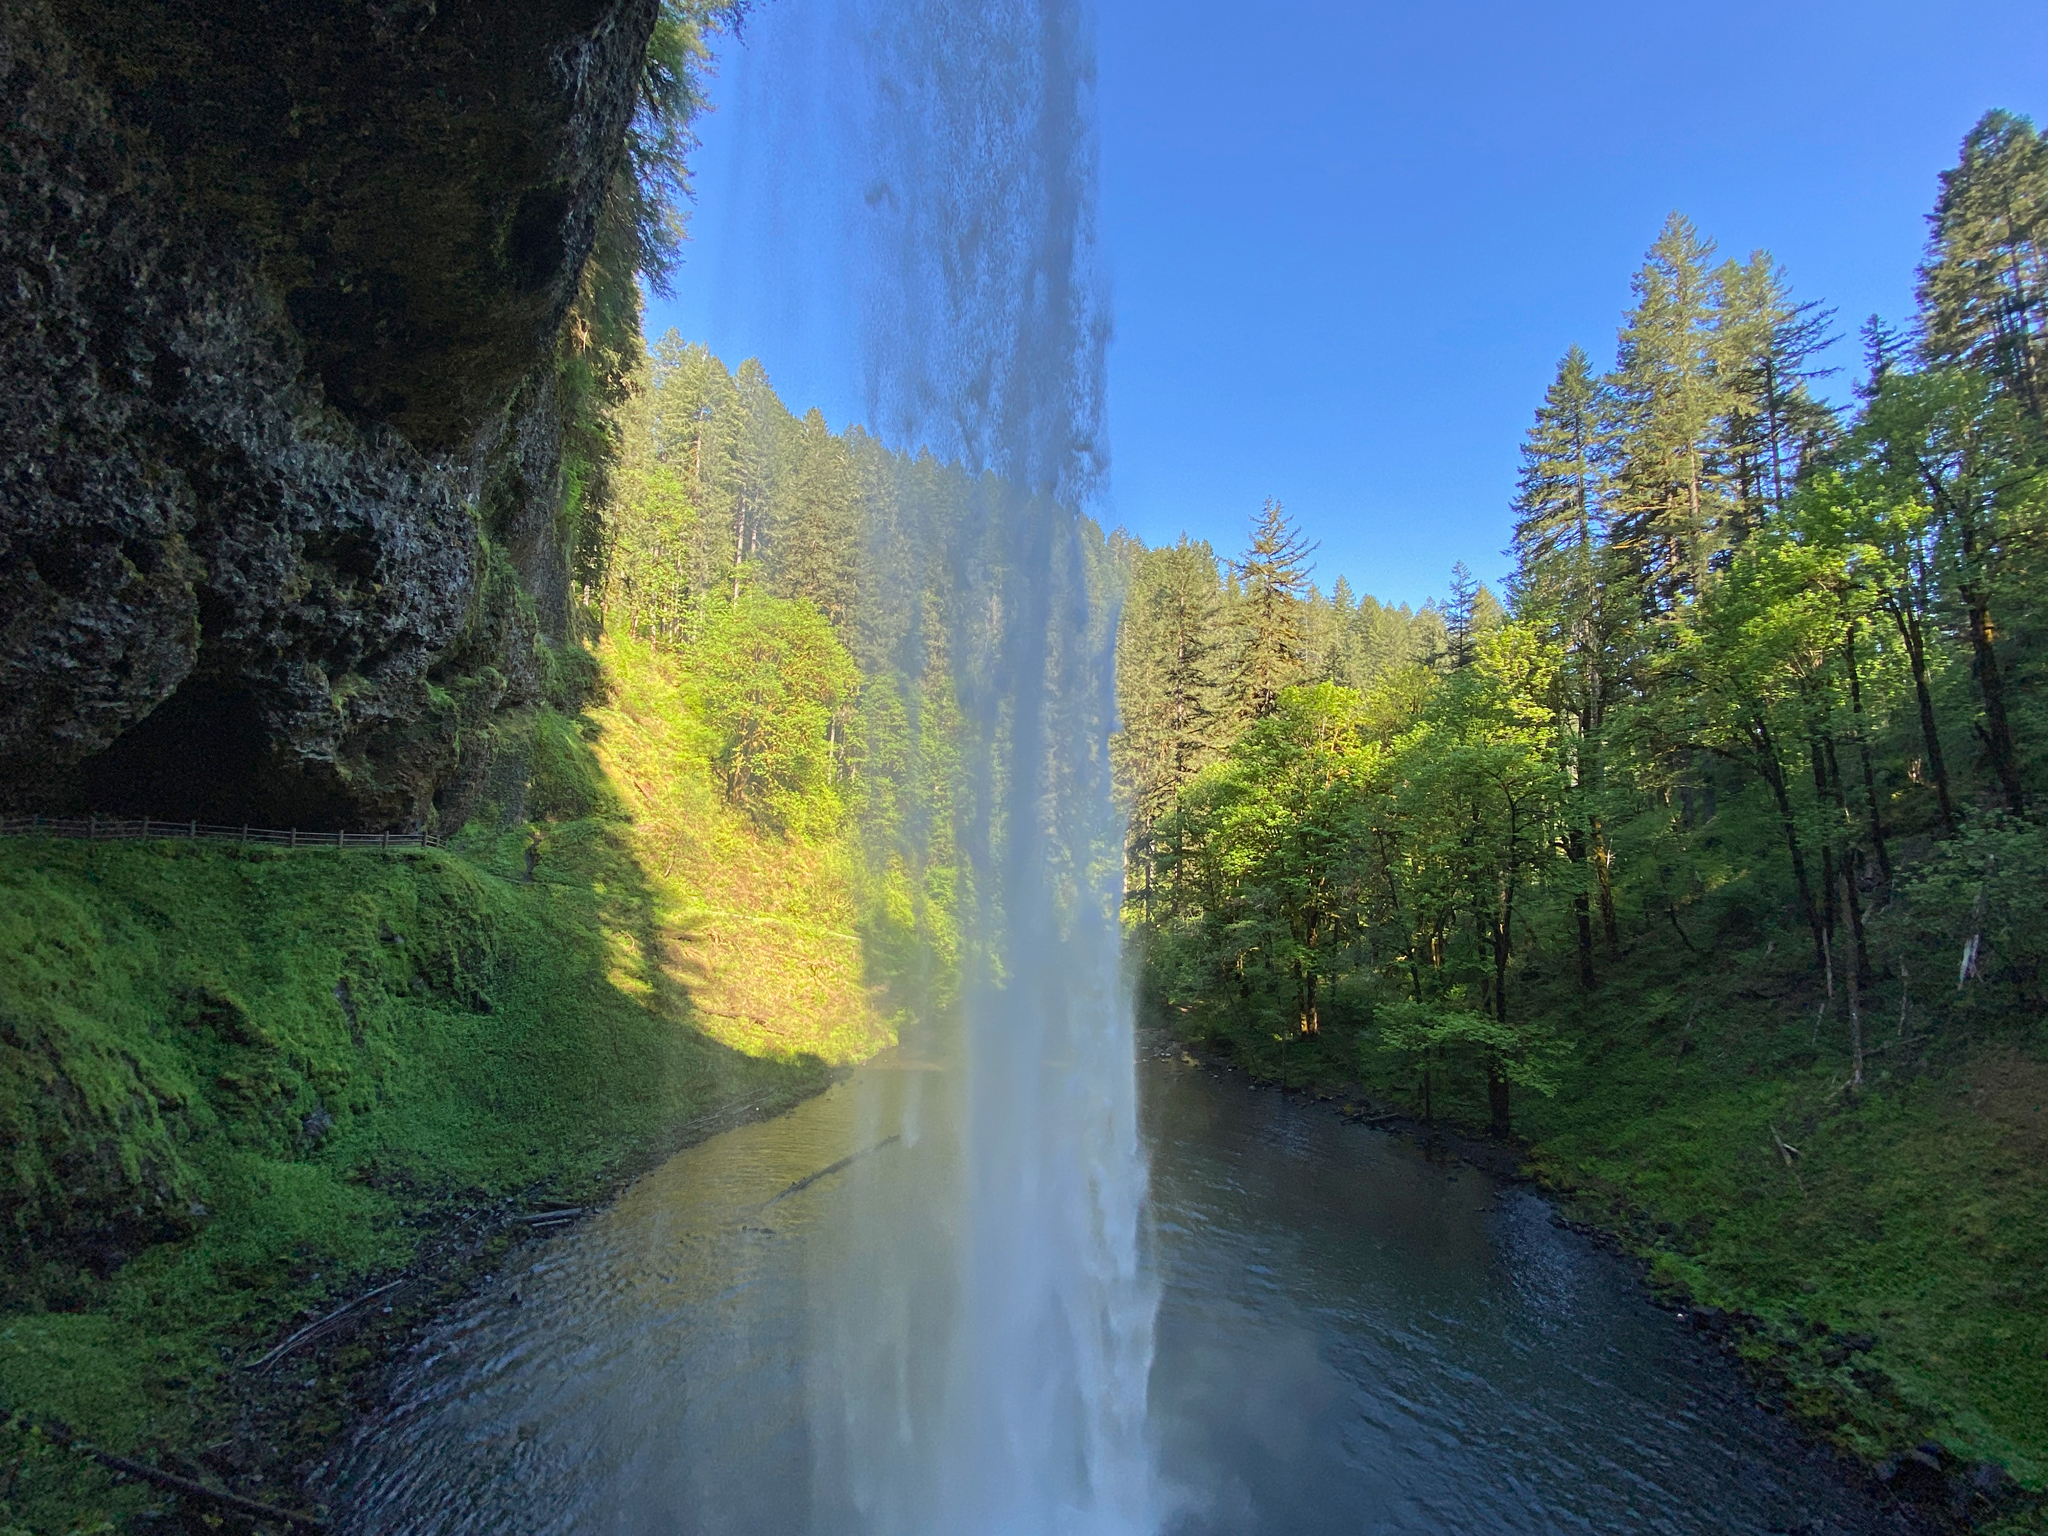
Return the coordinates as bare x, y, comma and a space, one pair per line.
762, 431
1952, 439
813, 529
1462, 618
1339, 661
1561, 585
1559, 501
1169, 695
1273, 580
1765, 347
1671, 503
1984, 285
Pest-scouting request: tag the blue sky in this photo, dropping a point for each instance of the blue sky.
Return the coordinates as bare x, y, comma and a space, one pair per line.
1348, 243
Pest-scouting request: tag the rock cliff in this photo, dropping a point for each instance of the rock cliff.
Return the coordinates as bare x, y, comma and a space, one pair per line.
280, 290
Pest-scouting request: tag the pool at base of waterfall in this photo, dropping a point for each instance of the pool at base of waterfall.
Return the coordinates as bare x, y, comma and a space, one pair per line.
1352, 1336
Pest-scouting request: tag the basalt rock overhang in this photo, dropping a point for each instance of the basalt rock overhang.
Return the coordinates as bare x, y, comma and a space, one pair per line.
280, 288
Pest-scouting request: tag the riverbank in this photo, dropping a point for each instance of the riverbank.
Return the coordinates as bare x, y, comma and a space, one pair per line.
247, 1087
1873, 1275
250, 1092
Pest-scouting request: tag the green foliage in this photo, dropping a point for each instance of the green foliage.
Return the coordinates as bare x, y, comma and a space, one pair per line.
239, 1082
1274, 577
1976, 901
776, 683
655, 180
1984, 287
1722, 844
1425, 1036
563, 781
1267, 844
1558, 500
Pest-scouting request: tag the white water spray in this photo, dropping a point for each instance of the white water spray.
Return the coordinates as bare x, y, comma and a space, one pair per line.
988, 1341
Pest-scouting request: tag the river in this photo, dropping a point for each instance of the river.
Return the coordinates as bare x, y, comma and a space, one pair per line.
1353, 1336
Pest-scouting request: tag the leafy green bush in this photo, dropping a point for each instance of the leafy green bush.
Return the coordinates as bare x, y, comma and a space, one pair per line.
776, 685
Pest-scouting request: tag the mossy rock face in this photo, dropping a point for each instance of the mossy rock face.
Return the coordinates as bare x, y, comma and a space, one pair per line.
90, 1150
279, 461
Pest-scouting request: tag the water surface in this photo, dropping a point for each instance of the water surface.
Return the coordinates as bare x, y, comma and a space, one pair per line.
1352, 1337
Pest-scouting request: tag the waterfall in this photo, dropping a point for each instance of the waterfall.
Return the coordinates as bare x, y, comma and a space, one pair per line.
986, 1342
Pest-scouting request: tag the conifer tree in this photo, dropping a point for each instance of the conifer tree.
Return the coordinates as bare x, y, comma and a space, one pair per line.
1273, 578
1340, 652
1461, 619
1765, 345
1670, 494
650, 527
1322, 637
1560, 501
1984, 286
763, 427
1169, 688
1563, 575
813, 528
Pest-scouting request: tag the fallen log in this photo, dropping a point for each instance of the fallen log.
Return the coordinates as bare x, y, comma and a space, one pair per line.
191, 1488
312, 1329
128, 1466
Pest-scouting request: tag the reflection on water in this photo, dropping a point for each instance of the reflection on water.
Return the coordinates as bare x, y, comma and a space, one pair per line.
1351, 1338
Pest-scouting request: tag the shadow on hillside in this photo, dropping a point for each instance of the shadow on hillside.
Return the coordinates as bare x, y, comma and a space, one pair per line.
591, 872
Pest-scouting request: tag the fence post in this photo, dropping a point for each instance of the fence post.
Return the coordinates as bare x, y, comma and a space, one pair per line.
92, 826
145, 829
295, 837
195, 829
245, 834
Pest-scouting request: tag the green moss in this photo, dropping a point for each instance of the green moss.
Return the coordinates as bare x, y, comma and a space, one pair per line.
564, 782
570, 675
238, 1083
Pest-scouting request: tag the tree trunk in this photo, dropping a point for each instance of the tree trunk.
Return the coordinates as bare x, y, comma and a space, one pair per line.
1915, 641
1497, 1104
1991, 688
1855, 992
1855, 908
1877, 842
1500, 972
1827, 846
1603, 869
1774, 775
1582, 907
1996, 730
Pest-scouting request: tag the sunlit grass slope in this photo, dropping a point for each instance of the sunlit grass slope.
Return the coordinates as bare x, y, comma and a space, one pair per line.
761, 926
236, 1085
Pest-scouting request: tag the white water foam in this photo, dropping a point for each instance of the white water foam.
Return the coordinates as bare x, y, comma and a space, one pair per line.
985, 1345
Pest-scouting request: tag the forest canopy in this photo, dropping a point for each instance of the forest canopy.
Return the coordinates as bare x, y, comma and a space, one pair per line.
1766, 664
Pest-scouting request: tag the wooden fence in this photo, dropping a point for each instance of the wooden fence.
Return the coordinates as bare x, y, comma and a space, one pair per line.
109, 828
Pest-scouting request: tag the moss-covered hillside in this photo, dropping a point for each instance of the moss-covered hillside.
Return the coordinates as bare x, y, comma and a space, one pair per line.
239, 1087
